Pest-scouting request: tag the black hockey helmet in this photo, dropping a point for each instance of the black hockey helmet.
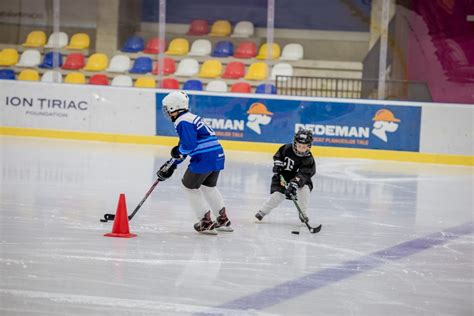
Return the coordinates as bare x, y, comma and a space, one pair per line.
303, 136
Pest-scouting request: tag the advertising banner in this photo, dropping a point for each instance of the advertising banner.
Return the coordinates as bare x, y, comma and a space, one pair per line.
77, 107
335, 124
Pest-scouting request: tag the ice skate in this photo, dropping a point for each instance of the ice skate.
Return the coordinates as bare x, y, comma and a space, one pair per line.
206, 225
223, 222
259, 215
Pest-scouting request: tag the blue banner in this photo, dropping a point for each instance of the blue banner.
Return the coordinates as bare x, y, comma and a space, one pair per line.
335, 124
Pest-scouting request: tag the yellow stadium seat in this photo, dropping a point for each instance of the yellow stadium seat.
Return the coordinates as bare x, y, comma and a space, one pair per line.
75, 77
210, 69
145, 82
178, 46
257, 71
35, 39
97, 62
8, 57
29, 75
263, 52
221, 28
79, 41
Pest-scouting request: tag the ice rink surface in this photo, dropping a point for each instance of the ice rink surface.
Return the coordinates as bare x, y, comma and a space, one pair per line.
397, 238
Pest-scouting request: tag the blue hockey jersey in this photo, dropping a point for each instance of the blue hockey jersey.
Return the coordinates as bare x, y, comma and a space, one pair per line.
199, 141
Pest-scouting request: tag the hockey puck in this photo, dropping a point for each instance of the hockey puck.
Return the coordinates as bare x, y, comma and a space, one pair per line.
103, 220
295, 232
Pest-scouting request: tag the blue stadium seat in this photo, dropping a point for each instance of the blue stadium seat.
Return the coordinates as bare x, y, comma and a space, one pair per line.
142, 65
193, 85
133, 44
7, 74
48, 60
223, 49
261, 88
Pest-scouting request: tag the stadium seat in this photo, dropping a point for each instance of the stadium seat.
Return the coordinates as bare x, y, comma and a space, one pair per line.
210, 69
119, 63
223, 49
257, 71
282, 69
198, 27
243, 29
30, 58
97, 62
262, 88
145, 82
7, 74
193, 84
35, 39
178, 46
99, 79
154, 46
241, 87
142, 65
169, 83
221, 28
169, 66
292, 51
74, 61
29, 75
51, 60
234, 70
8, 57
134, 44
263, 52
52, 76
217, 86
187, 67
75, 78
57, 40
122, 81
79, 41
200, 47
246, 50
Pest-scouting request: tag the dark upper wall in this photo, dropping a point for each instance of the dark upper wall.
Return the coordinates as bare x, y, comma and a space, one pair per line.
334, 15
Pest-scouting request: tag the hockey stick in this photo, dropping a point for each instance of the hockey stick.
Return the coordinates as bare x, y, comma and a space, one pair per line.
111, 217
312, 230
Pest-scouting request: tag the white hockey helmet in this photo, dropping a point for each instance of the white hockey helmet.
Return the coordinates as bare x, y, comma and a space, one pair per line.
175, 101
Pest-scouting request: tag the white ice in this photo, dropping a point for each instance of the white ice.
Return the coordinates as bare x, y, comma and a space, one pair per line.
54, 259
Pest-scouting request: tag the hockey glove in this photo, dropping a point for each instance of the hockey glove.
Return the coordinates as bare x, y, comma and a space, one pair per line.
278, 166
176, 154
166, 171
291, 191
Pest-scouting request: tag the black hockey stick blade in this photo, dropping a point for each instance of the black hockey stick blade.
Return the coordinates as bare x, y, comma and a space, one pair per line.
107, 217
314, 230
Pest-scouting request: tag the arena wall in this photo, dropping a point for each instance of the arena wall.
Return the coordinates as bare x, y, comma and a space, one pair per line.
387, 130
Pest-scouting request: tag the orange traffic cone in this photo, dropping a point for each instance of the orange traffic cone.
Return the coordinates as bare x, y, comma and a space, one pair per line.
120, 228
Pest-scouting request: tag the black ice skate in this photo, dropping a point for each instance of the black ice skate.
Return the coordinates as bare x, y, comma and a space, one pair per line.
260, 215
223, 222
206, 225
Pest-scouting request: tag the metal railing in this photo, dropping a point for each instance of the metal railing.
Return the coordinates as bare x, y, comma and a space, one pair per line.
351, 88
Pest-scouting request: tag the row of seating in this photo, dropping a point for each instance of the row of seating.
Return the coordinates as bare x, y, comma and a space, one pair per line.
52, 76
203, 47
187, 67
221, 28
57, 40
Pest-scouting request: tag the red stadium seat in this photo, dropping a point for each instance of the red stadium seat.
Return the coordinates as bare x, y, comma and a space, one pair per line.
153, 46
74, 61
234, 70
99, 79
169, 66
246, 50
169, 83
241, 87
198, 27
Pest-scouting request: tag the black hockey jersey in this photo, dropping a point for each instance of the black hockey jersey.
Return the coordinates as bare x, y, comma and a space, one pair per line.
296, 168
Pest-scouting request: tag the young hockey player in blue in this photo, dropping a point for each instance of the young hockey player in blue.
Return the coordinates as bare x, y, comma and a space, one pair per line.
197, 140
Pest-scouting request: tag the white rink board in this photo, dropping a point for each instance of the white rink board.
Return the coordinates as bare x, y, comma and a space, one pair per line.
445, 128
84, 108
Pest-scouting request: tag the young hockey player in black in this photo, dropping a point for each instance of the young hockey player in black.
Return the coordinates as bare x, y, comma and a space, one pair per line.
296, 164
